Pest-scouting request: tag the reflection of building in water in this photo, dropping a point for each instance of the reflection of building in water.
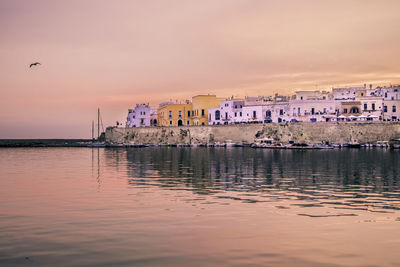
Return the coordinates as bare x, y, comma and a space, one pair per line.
344, 178
221, 168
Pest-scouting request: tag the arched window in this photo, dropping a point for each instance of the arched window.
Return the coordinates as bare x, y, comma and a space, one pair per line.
354, 110
268, 114
180, 123
217, 115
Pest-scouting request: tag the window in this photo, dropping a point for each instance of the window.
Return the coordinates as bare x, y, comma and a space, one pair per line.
235, 106
235, 114
365, 106
312, 111
241, 106
180, 113
254, 114
384, 108
217, 115
240, 114
226, 115
209, 116
324, 110
192, 113
281, 112
345, 110
385, 95
202, 112
354, 110
301, 98
373, 106
170, 113
170, 122
226, 105
298, 111
188, 123
394, 109
189, 113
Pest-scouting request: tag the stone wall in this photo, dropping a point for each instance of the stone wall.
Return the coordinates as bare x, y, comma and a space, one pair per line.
307, 132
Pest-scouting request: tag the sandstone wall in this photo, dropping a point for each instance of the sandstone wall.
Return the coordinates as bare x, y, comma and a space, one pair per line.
299, 132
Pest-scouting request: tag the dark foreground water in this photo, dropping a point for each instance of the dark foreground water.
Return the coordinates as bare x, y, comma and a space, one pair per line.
199, 207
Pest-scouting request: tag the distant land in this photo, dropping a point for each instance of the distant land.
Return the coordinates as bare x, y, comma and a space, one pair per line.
43, 142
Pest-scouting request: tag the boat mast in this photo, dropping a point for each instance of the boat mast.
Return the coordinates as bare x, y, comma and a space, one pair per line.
92, 130
98, 123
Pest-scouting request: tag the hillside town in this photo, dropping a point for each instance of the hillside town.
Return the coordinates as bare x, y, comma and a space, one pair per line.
347, 104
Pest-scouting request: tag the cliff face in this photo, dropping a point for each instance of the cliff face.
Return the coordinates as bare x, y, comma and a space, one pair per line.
298, 132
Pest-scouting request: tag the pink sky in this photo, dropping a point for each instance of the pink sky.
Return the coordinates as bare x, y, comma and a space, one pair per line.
114, 54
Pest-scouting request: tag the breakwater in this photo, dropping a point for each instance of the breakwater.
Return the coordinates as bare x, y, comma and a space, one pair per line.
305, 132
44, 142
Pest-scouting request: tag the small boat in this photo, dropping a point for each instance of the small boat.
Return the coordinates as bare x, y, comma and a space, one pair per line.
322, 146
382, 144
353, 145
276, 146
239, 144
299, 146
262, 142
229, 143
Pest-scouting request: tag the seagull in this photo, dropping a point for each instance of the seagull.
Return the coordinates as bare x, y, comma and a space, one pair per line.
34, 64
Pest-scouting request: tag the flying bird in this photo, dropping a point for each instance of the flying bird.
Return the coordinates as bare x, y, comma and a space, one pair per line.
34, 64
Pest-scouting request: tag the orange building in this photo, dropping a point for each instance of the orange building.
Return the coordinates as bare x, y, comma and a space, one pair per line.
201, 104
173, 114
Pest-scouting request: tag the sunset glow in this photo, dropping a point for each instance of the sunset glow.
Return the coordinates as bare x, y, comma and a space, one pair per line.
113, 55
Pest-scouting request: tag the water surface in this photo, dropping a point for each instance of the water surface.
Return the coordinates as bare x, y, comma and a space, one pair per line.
199, 206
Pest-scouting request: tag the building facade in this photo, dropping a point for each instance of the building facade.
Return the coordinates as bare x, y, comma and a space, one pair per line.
201, 105
174, 114
141, 116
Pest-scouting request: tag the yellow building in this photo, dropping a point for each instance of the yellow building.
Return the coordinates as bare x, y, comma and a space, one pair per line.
171, 114
201, 104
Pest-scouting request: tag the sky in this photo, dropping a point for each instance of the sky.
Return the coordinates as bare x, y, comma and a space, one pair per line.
114, 54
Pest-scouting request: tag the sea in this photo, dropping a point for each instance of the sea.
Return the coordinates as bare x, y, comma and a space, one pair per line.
173, 206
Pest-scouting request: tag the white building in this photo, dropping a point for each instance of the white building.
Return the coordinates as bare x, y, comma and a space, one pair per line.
313, 110
141, 116
343, 104
392, 93
253, 114
346, 92
230, 111
312, 95
391, 110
